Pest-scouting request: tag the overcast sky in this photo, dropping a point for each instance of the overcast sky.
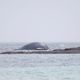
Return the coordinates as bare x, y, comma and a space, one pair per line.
40, 20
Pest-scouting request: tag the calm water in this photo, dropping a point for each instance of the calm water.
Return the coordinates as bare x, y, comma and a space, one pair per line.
39, 66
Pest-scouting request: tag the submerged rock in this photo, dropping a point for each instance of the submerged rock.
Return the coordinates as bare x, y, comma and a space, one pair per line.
35, 46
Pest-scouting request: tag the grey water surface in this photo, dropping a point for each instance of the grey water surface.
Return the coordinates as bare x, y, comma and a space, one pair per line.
39, 66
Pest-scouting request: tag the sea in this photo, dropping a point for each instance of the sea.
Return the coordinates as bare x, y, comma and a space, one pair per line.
39, 66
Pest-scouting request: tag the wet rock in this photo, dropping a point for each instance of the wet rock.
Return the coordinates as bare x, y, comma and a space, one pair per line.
68, 50
75, 48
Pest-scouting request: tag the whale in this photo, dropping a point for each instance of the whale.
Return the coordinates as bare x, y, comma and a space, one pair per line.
35, 46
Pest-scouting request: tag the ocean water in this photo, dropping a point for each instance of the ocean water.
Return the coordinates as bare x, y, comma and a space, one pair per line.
41, 73
39, 66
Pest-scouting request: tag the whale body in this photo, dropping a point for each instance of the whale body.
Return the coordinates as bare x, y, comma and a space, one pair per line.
35, 46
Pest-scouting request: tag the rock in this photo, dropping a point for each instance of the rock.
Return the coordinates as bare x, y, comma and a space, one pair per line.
35, 46
75, 48
68, 50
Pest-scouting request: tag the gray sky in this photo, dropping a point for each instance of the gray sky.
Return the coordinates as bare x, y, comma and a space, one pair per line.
40, 20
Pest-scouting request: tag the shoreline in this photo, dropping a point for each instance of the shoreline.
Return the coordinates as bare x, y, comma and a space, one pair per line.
55, 51
42, 52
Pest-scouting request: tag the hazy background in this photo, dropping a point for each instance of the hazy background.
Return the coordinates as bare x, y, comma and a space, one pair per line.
40, 20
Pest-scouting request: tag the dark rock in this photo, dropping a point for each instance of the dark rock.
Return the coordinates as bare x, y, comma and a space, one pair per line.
75, 48
35, 46
68, 50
